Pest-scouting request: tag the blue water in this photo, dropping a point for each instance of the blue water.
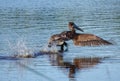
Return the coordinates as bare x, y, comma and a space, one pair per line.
28, 24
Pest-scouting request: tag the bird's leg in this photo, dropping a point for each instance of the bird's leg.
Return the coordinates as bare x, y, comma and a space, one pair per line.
62, 47
66, 46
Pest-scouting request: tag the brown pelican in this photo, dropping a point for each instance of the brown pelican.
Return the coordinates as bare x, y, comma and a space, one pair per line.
79, 39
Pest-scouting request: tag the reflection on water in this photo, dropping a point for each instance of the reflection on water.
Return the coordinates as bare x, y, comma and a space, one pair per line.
35, 21
77, 64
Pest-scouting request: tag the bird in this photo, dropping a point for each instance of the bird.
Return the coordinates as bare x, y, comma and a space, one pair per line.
79, 39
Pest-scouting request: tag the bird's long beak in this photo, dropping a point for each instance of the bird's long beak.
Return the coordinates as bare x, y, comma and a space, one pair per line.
76, 27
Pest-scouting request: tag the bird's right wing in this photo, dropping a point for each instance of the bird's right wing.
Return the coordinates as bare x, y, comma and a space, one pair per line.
90, 40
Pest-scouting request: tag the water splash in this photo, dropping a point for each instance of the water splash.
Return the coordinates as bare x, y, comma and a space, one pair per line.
52, 49
19, 48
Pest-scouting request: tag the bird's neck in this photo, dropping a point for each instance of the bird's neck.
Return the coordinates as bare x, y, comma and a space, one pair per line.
73, 31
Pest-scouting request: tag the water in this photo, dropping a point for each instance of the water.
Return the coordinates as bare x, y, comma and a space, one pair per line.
28, 24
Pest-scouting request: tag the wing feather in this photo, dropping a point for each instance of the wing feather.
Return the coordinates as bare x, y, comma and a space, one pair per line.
90, 40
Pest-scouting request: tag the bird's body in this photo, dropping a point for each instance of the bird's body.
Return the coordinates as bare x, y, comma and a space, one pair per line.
59, 40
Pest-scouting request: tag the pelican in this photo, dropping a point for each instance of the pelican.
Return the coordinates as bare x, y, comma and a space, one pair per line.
79, 39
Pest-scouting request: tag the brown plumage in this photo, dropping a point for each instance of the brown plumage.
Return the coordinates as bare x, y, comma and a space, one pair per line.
85, 39
89, 40
79, 39
59, 40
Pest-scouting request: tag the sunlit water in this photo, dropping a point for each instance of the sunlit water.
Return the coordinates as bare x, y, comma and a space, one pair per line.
26, 25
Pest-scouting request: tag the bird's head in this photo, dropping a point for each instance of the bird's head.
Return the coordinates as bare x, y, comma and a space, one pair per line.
72, 26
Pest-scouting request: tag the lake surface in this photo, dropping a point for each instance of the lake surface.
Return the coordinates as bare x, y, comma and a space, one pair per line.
26, 25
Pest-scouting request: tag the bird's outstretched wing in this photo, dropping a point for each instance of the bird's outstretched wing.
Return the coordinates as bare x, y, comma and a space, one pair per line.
89, 40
